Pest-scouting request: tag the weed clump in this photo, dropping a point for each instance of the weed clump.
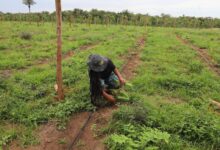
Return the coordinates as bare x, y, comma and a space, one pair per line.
139, 138
129, 130
195, 67
135, 114
2, 47
170, 127
26, 36
3, 84
189, 122
6, 137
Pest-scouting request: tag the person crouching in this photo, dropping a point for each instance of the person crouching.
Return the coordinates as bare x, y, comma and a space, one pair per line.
103, 76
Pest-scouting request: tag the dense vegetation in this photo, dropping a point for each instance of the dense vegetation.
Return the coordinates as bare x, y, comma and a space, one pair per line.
169, 105
124, 18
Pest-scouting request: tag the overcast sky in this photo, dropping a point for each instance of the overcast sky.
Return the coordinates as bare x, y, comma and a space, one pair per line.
204, 8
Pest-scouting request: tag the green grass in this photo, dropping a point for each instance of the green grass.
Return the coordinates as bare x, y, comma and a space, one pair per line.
205, 39
172, 85
42, 45
27, 97
172, 69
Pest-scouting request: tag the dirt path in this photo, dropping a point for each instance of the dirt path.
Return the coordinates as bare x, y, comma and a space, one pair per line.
52, 139
101, 117
205, 57
133, 60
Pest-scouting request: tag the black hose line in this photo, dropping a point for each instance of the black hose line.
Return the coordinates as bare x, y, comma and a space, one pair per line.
77, 137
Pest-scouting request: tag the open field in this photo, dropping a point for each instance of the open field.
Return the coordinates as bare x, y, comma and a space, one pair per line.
205, 39
170, 98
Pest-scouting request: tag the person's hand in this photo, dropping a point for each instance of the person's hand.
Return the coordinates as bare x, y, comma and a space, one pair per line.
108, 97
122, 81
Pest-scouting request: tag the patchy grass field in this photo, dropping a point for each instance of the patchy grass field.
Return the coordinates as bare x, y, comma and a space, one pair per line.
207, 39
172, 87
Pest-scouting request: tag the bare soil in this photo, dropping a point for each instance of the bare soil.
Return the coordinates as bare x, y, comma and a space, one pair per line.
52, 139
90, 138
133, 59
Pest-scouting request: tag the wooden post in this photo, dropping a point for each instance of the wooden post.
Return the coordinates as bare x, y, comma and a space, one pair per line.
59, 50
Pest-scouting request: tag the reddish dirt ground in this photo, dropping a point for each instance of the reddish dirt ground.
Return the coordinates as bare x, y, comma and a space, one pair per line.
133, 60
52, 139
90, 140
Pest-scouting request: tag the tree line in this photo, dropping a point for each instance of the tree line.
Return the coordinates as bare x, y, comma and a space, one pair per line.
123, 18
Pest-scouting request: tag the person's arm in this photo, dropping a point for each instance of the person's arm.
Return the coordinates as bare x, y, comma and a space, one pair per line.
121, 79
108, 97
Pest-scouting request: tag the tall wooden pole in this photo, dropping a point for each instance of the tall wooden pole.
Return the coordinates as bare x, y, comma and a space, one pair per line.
59, 50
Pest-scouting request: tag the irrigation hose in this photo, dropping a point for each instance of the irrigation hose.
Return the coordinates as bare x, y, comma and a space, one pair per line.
76, 138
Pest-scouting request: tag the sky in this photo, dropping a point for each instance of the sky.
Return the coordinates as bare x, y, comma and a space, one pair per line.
198, 8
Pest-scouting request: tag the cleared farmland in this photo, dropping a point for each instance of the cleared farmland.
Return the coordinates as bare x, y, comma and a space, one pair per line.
172, 87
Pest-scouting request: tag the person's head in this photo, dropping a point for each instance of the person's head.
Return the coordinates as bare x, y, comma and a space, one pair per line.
97, 62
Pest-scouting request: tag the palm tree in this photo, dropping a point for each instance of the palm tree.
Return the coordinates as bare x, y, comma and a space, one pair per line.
29, 3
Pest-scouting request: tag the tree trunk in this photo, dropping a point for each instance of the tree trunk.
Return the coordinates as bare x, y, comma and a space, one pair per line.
59, 50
